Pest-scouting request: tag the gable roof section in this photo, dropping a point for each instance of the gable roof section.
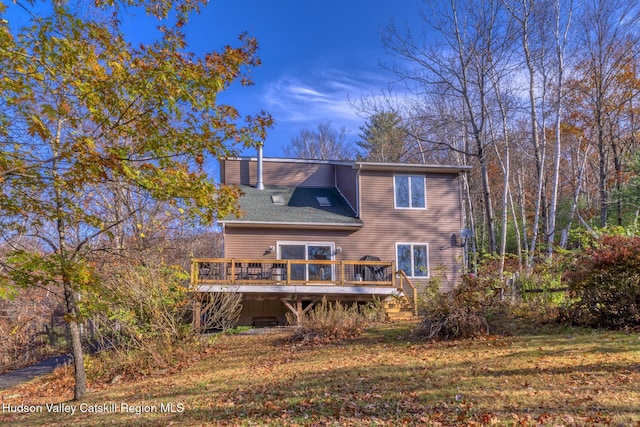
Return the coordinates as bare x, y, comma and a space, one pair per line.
300, 209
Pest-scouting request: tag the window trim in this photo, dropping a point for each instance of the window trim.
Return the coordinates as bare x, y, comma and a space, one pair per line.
306, 244
412, 244
424, 187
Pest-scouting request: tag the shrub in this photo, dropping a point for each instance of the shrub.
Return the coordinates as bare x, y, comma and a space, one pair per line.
539, 293
31, 327
373, 311
329, 321
470, 309
605, 283
143, 309
220, 310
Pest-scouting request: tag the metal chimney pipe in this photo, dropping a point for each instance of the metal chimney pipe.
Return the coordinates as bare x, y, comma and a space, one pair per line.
259, 183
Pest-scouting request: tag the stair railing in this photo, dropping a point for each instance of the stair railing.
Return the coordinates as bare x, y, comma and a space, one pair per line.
409, 290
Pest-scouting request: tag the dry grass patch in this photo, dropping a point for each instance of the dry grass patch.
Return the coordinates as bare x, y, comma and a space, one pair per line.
560, 377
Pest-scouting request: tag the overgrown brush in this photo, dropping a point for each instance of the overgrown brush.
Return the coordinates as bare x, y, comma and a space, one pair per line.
539, 294
219, 310
143, 309
470, 309
31, 328
605, 283
329, 321
373, 311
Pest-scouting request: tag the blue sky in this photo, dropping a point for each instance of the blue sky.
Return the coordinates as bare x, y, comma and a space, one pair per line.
315, 57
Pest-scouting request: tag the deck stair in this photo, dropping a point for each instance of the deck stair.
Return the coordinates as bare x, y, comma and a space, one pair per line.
398, 308
404, 304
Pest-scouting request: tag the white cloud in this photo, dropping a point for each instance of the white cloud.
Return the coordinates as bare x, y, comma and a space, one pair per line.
322, 95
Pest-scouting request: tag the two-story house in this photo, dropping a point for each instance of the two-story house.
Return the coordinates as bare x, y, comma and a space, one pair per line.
345, 230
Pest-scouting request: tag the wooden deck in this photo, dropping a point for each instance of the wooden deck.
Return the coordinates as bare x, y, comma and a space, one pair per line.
215, 272
295, 281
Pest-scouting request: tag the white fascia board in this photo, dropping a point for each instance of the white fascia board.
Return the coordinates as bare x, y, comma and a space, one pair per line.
301, 289
272, 224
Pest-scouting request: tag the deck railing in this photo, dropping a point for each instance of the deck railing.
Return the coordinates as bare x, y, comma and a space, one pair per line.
292, 272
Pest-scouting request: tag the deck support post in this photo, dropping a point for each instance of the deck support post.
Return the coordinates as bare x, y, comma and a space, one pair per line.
197, 311
297, 309
299, 312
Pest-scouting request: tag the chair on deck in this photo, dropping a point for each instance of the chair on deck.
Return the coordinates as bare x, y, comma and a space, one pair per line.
254, 271
204, 270
209, 271
278, 272
238, 270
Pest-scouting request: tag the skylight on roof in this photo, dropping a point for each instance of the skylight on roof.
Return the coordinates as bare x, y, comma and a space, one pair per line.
323, 201
277, 199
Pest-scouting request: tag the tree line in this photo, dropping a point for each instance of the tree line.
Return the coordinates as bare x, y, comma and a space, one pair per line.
541, 97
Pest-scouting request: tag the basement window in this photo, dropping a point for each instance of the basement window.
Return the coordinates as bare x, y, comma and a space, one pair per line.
323, 201
277, 199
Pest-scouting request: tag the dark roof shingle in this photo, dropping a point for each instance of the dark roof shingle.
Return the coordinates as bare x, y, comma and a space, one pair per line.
301, 206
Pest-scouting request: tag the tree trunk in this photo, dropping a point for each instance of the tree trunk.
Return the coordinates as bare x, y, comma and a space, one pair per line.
602, 178
617, 164
561, 42
505, 163
582, 164
71, 312
538, 146
488, 204
80, 375
516, 229
523, 211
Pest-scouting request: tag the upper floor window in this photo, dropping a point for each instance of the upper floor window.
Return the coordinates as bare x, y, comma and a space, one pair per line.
410, 191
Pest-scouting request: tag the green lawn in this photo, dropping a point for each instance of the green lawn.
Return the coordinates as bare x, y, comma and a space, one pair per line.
556, 377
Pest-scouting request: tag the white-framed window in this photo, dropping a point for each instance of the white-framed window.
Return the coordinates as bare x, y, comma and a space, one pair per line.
413, 258
410, 191
308, 251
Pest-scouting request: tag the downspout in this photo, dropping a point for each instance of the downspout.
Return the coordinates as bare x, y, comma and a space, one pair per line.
358, 167
463, 222
224, 241
259, 183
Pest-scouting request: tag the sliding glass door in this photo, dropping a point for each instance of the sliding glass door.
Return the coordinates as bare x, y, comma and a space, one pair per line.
288, 251
310, 252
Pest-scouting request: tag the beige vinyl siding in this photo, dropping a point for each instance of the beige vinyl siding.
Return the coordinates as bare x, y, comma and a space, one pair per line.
346, 182
279, 173
254, 242
235, 171
385, 226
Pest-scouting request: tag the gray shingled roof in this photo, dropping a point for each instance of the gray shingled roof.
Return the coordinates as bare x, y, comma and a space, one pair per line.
300, 207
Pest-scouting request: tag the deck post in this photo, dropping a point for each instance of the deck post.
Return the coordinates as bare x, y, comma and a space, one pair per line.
233, 270
197, 312
194, 273
297, 310
393, 274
